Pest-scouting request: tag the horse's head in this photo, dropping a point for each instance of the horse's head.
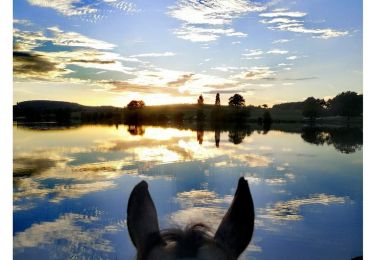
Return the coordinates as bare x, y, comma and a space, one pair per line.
195, 242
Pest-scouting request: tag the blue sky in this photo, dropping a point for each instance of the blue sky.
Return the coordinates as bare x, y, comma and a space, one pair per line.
108, 52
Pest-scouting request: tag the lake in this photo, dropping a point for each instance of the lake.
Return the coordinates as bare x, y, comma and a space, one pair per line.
72, 184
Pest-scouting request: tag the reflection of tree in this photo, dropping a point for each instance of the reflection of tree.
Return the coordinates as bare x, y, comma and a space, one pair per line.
136, 130
345, 140
200, 134
217, 138
236, 136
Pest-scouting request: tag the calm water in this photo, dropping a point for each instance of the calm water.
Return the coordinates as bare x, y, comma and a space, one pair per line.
71, 188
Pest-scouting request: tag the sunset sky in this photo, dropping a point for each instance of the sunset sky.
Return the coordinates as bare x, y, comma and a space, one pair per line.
108, 52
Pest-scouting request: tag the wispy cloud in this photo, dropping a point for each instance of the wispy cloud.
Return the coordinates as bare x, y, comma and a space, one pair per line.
77, 40
155, 54
281, 41
277, 51
201, 34
84, 8
205, 21
285, 20
255, 73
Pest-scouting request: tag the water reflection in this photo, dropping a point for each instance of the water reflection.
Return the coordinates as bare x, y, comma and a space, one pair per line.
71, 186
346, 140
136, 130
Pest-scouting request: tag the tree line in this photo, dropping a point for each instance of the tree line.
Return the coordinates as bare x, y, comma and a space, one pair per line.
347, 104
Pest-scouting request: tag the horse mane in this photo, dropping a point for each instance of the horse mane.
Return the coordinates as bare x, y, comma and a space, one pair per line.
187, 240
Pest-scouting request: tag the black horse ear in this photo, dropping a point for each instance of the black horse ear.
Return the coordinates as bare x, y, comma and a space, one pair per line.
236, 229
142, 219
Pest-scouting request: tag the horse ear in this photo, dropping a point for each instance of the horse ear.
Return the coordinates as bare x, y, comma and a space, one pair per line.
236, 228
142, 219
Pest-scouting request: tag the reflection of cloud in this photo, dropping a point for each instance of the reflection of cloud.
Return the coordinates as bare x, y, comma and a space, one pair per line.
275, 181
210, 216
32, 170
290, 210
253, 160
200, 197
200, 206
36, 163
69, 229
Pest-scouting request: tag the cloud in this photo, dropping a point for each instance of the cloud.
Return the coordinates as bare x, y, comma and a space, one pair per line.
125, 86
207, 21
277, 51
65, 7
85, 52
155, 54
283, 13
255, 52
303, 78
200, 34
75, 39
278, 20
29, 65
27, 40
255, 73
293, 57
281, 41
212, 12
84, 8
180, 81
290, 210
281, 20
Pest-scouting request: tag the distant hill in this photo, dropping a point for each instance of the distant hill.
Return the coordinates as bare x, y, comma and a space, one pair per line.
48, 105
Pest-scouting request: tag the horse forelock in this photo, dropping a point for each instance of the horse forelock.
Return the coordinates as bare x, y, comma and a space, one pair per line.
187, 241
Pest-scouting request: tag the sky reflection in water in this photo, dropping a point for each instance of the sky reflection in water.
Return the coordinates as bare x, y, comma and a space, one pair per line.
71, 188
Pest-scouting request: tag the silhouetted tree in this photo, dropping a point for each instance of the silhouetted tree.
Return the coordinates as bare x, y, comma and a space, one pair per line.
237, 101
267, 119
347, 104
312, 108
265, 106
200, 100
136, 104
217, 99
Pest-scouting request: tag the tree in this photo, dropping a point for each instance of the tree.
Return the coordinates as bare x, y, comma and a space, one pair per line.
136, 104
347, 104
312, 108
217, 100
265, 106
237, 101
267, 119
200, 100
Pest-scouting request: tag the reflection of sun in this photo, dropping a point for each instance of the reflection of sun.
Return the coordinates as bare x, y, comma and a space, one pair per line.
159, 154
166, 133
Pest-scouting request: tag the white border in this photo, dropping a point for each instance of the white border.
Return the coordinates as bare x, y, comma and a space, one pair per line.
6, 151
6, 137
368, 130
